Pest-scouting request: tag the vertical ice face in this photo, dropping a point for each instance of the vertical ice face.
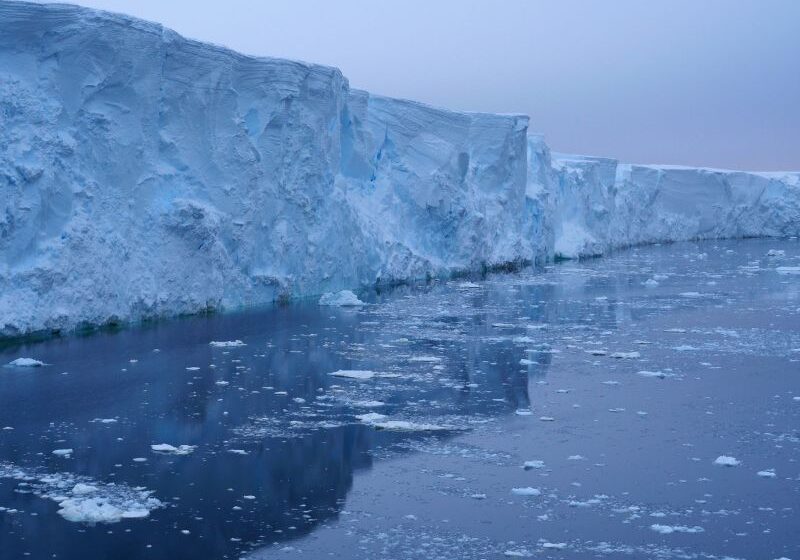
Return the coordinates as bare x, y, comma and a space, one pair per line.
438, 190
602, 204
144, 174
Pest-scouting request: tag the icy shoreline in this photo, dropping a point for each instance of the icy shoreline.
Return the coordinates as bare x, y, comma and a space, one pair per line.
147, 175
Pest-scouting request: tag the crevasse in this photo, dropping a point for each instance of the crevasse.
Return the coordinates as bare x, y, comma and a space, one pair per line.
143, 174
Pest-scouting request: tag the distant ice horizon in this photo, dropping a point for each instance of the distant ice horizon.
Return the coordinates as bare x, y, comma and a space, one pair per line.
712, 84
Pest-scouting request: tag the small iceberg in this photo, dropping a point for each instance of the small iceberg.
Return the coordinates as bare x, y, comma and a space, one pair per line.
361, 374
26, 362
727, 461
526, 491
345, 298
168, 449
226, 343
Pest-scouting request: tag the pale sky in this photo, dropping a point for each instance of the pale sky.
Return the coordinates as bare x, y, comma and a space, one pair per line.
695, 82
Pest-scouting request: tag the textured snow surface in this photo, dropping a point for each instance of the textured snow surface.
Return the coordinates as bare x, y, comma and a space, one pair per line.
144, 174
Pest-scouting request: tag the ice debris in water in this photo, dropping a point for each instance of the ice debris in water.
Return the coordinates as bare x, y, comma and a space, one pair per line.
84, 500
668, 529
766, 473
226, 343
353, 374
625, 355
26, 362
526, 491
536, 464
345, 298
63, 452
379, 422
788, 270
726, 461
776, 253
172, 450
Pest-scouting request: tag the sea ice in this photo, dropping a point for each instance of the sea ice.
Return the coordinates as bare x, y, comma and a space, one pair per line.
25, 362
526, 491
345, 298
168, 449
353, 374
726, 461
226, 343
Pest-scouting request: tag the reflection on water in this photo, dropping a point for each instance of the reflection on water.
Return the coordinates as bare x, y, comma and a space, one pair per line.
277, 438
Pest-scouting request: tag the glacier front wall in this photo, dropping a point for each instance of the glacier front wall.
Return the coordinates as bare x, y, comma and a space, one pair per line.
144, 174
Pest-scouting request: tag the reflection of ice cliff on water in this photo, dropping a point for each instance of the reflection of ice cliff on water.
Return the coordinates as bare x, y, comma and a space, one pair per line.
274, 442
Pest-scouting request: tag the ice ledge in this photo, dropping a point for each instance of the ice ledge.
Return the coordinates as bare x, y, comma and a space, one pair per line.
148, 175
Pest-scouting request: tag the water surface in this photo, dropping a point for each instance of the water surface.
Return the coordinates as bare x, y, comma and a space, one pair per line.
621, 380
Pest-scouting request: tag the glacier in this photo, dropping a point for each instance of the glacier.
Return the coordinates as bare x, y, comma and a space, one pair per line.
147, 175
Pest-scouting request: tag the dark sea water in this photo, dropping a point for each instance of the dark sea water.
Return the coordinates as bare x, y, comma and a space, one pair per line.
620, 394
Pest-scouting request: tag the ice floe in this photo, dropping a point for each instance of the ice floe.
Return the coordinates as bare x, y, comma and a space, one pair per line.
25, 362
360, 374
727, 461
345, 298
82, 499
168, 449
226, 343
669, 529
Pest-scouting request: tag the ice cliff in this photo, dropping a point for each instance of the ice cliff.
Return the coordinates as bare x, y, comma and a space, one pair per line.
144, 174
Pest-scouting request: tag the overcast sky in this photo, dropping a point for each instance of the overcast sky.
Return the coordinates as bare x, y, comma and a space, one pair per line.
695, 82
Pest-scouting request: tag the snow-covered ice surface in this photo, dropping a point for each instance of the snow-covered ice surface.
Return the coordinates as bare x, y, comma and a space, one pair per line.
289, 461
147, 175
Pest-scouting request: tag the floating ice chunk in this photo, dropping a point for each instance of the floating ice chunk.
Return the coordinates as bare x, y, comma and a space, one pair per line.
82, 499
547, 419
625, 355
353, 374
478, 496
238, 451
726, 461
62, 452
468, 285
192, 368
788, 270
523, 412
226, 343
425, 359
104, 420
668, 529
555, 546
405, 426
25, 362
776, 253
368, 404
172, 450
691, 294
82, 488
345, 298
526, 362
526, 491
650, 283
767, 473
535, 464
597, 352
517, 553
658, 374
576, 458
370, 417
221, 383
379, 422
